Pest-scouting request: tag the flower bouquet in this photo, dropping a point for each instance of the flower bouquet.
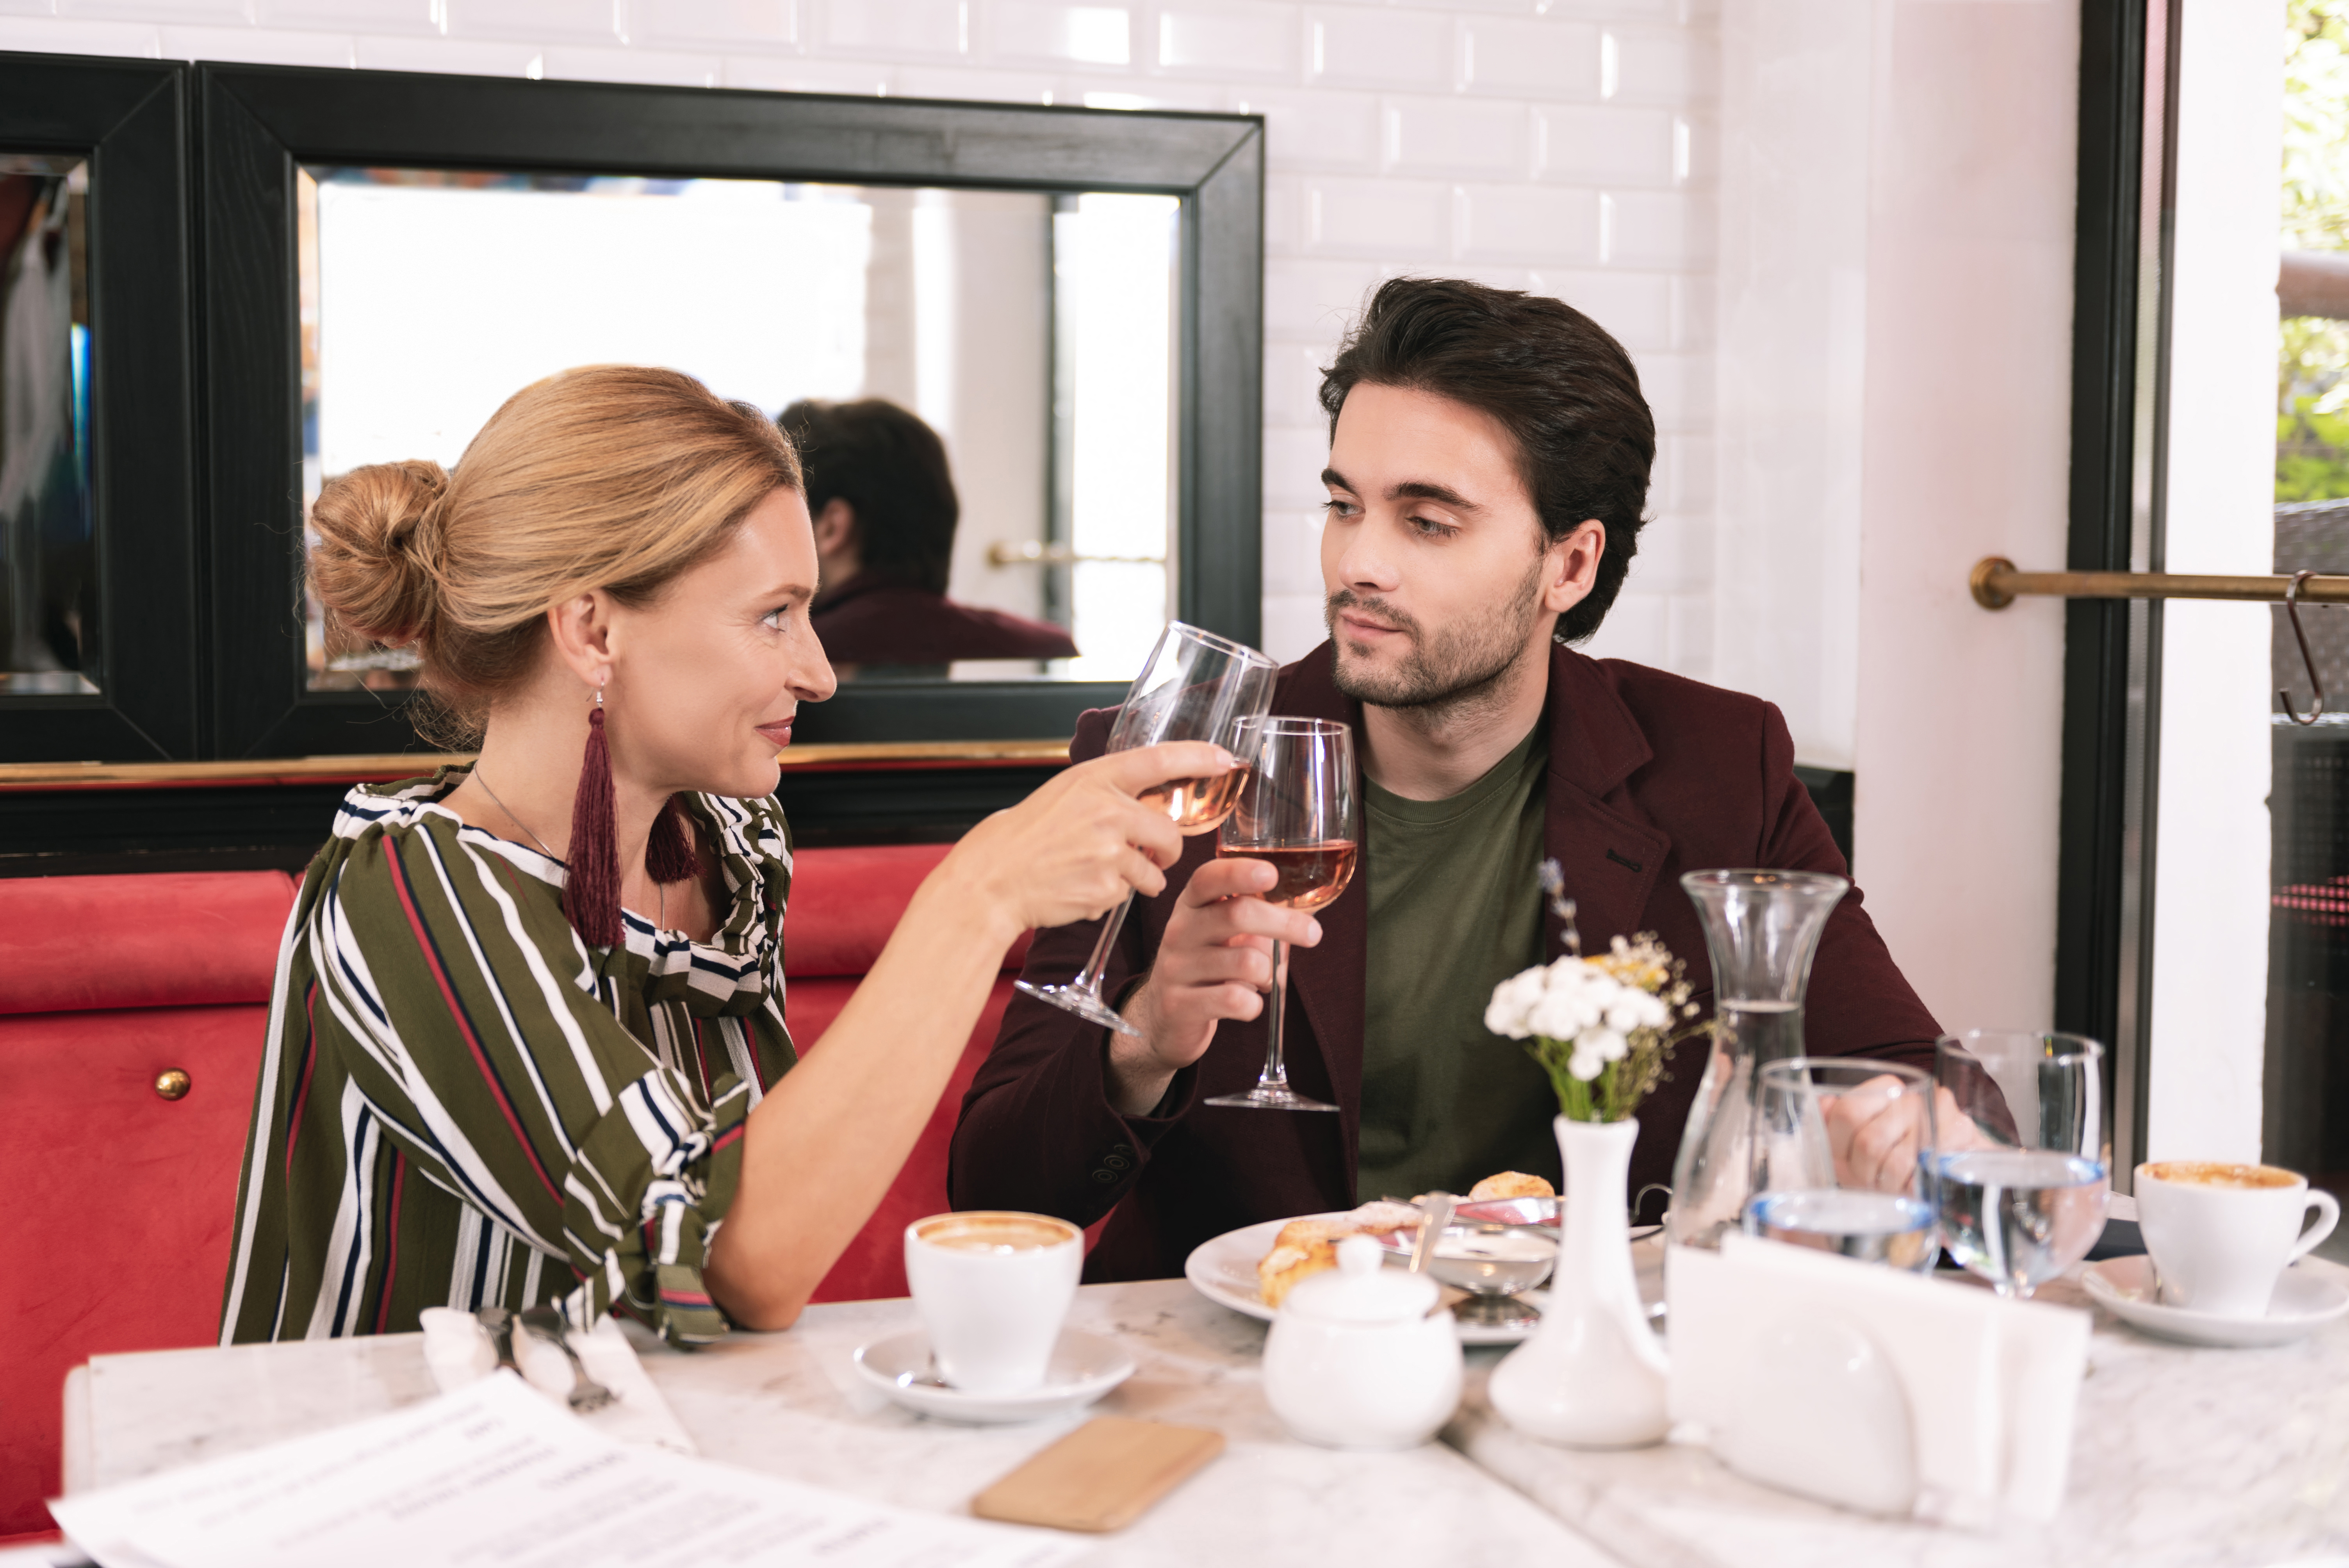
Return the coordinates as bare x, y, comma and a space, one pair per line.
1601, 1028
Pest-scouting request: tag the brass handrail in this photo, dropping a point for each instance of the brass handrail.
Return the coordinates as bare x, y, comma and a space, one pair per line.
1997, 582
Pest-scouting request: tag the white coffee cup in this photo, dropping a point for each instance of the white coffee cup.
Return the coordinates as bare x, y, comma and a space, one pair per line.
2221, 1234
992, 1287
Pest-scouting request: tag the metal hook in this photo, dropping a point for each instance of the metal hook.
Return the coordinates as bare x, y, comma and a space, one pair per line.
2291, 608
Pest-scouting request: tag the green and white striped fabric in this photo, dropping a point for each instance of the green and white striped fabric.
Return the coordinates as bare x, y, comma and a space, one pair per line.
463, 1105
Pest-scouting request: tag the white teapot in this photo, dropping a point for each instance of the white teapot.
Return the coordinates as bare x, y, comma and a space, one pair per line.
1357, 1357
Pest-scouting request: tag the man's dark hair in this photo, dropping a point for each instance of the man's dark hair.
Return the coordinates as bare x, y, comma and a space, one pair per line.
892, 468
1564, 391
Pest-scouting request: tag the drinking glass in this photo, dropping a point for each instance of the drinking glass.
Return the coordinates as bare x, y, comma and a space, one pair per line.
2021, 1153
1194, 686
1298, 812
1838, 1148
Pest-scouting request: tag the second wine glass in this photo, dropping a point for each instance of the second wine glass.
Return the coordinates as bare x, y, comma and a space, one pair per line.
1300, 812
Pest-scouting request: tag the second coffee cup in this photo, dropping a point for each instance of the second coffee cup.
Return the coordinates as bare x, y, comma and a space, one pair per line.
992, 1288
2220, 1234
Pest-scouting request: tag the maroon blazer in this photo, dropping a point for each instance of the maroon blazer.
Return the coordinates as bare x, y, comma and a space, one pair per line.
1650, 775
875, 620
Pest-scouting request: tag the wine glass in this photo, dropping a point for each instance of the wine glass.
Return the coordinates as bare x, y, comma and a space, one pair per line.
1300, 813
1817, 1184
1195, 685
2021, 1153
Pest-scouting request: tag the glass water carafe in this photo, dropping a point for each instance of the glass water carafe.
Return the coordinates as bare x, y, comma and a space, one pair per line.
1762, 930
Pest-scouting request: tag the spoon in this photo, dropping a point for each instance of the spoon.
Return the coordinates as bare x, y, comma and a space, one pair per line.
1437, 1208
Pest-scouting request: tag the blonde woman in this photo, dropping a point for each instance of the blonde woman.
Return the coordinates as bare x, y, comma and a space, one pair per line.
527, 1044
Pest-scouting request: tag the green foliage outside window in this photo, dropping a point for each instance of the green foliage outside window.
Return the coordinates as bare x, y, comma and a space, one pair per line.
2313, 362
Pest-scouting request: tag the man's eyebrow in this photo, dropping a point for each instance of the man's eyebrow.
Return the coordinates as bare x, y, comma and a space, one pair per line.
1411, 490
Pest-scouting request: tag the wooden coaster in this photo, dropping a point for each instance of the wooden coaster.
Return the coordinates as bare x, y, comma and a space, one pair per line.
1100, 1477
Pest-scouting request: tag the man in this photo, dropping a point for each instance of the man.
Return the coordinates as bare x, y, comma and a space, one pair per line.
1488, 466
883, 501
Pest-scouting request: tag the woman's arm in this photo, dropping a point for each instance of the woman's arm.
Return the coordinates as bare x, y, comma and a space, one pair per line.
825, 1144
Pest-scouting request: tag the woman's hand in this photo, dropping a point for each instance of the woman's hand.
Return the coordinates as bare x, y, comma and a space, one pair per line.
1074, 849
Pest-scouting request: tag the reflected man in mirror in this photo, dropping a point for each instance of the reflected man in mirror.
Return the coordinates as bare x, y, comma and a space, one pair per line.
884, 503
1487, 482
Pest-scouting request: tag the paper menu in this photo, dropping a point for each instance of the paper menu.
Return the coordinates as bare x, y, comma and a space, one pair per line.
494, 1475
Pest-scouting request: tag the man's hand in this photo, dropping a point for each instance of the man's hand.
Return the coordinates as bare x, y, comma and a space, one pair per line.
1214, 962
1877, 1131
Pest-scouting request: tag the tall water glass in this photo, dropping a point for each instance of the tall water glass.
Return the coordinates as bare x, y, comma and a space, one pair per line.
1299, 812
1762, 928
2021, 1154
1195, 686
1838, 1144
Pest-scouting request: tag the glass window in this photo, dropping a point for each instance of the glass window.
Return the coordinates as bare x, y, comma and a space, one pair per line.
48, 581
1014, 324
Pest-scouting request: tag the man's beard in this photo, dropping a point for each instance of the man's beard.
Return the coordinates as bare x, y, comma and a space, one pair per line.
1458, 669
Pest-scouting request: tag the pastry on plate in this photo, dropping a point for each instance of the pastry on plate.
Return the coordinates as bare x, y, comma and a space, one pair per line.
1306, 1247
1511, 1184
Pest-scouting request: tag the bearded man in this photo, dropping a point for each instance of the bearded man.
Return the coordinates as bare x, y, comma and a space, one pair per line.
1488, 470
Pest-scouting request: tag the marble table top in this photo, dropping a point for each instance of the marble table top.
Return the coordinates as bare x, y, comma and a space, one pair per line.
2182, 1458
791, 1405
2213, 1458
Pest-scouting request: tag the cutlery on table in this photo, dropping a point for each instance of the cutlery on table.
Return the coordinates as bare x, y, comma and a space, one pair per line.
586, 1394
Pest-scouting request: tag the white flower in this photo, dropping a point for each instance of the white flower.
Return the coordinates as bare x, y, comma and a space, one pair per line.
1605, 1044
1585, 1065
1512, 1002
1563, 1013
1635, 1009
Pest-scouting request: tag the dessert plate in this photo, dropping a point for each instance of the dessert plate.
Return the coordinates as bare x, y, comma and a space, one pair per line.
1224, 1271
1083, 1367
2309, 1294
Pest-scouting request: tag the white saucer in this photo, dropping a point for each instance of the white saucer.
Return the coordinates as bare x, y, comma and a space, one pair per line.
1224, 1271
2308, 1295
1083, 1367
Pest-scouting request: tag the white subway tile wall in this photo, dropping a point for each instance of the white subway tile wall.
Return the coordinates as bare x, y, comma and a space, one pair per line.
1562, 146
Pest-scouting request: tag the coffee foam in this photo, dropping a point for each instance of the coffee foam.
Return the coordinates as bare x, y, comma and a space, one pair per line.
995, 1233
2219, 1173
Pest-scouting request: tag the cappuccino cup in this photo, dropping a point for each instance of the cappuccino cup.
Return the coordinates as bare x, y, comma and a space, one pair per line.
992, 1288
2221, 1234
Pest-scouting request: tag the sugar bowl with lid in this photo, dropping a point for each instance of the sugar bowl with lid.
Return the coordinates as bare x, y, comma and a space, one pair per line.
1359, 1358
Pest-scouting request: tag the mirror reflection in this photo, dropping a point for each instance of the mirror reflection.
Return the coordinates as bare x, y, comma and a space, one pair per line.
983, 380
48, 581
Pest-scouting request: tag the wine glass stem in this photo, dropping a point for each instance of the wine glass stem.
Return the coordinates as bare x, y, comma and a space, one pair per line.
1275, 1070
1090, 980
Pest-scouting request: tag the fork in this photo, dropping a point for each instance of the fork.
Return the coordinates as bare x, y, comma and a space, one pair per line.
586, 1394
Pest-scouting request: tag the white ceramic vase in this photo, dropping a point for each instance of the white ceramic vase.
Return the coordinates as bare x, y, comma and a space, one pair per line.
1592, 1374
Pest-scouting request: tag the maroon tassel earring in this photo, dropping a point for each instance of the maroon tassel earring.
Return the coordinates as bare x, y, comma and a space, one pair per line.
591, 895
669, 853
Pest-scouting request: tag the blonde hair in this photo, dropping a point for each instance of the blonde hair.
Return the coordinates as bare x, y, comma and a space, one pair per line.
614, 477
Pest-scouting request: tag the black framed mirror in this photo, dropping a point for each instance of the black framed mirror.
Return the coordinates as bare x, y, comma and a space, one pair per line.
304, 166
98, 557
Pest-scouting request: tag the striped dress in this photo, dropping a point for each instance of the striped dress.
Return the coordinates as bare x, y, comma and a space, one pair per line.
463, 1105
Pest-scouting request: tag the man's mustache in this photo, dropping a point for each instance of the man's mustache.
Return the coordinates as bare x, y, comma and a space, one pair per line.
1378, 609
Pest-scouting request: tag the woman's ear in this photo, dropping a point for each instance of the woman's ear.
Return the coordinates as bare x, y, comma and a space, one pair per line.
581, 629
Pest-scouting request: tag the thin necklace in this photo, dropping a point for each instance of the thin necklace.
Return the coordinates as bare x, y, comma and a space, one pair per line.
517, 822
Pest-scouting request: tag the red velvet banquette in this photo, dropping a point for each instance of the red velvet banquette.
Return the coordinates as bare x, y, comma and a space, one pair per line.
122, 1198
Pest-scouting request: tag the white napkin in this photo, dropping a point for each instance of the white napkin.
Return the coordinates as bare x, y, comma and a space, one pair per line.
1991, 1385
458, 1350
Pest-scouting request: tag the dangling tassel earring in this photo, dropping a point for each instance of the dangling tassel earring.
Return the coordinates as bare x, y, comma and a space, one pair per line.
591, 895
669, 853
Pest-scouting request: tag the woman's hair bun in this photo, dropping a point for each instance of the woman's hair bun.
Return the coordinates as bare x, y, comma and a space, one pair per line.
377, 565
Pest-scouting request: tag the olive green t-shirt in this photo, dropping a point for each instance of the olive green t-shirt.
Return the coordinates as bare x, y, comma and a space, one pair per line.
1456, 909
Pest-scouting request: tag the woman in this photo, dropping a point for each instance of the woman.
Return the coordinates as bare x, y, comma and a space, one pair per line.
527, 1042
